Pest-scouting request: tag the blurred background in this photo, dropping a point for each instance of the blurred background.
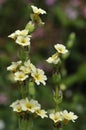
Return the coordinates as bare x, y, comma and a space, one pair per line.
65, 23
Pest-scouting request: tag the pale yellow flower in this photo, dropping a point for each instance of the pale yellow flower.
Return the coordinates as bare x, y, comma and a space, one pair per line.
29, 66
35, 104
39, 77
14, 66
30, 106
55, 116
54, 59
61, 48
20, 76
23, 41
33, 68
13, 36
22, 32
69, 116
22, 102
16, 106
26, 70
18, 33
38, 10
41, 113
15, 103
27, 63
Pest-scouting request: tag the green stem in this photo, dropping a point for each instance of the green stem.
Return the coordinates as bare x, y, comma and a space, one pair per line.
19, 121
24, 53
23, 91
25, 124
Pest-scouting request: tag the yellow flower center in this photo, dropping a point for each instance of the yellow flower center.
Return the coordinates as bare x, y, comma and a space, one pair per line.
55, 118
23, 41
28, 105
19, 109
20, 76
37, 76
60, 49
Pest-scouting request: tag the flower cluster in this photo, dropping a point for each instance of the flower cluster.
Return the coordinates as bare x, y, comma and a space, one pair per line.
21, 37
27, 106
22, 71
64, 116
55, 58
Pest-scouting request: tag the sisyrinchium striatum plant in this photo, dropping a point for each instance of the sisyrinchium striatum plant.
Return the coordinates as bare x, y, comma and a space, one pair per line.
24, 71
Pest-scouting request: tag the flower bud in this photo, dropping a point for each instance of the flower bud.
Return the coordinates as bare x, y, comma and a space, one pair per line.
30, 26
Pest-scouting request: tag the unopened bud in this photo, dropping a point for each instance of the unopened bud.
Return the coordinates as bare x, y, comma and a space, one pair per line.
30, 26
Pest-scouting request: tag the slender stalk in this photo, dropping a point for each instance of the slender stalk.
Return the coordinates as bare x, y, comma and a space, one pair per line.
23, 124
19, 122
22, 91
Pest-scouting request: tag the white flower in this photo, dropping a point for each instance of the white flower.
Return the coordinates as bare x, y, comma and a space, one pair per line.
55, 116
18, 33
41, 113
69, 116
20, 76
29, 66
16, 106
22, 32
13, 36
30, 106
23, 41
14, 103
61, 48
53, 59
38, 10
26, 70
39, 76
33, 68
27, 63
35, 105
14, 66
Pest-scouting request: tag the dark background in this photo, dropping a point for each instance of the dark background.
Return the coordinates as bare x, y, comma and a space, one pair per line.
63, 18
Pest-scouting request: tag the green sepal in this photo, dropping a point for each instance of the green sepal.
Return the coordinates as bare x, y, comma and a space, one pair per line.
58, 96
30, 26
56, 78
